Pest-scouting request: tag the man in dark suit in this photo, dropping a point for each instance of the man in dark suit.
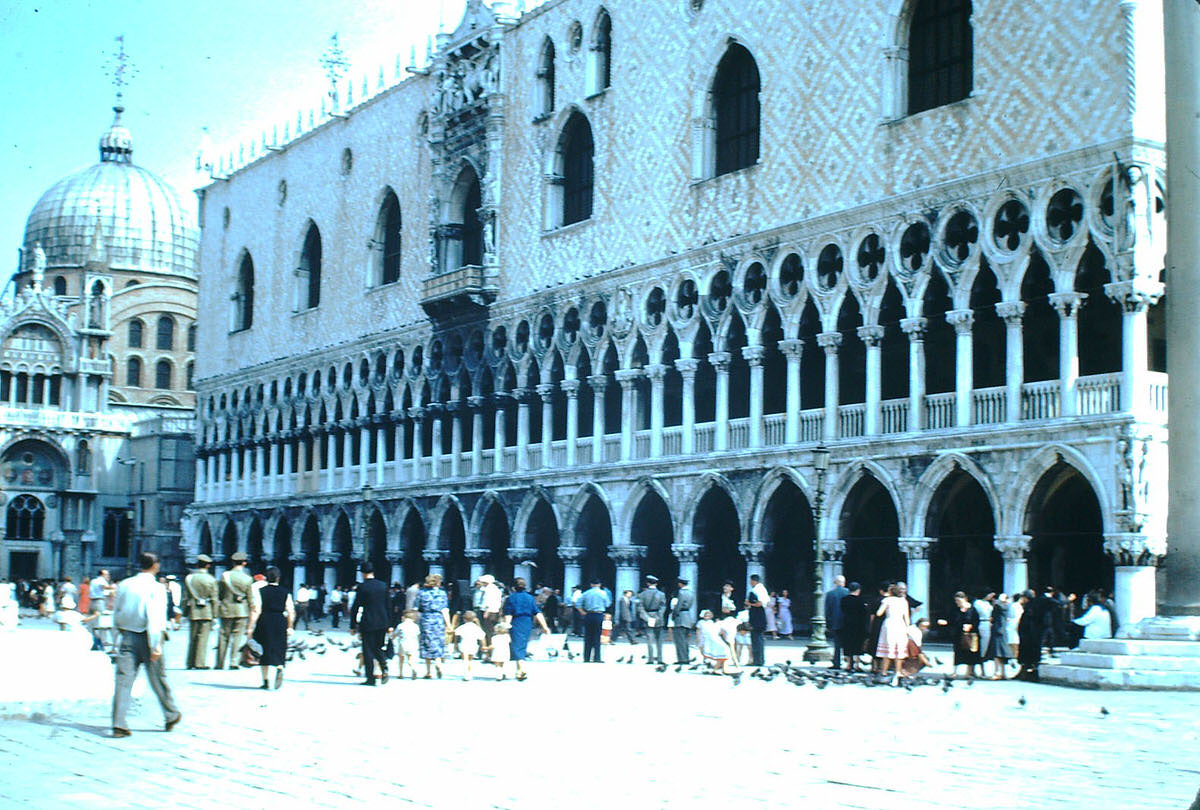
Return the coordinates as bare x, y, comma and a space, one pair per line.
833, 616
758, 630
683, 620
853, 632
623, 617
372, 617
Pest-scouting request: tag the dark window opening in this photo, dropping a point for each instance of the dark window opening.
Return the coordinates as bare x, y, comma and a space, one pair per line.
736, 107
939, 54
577, 154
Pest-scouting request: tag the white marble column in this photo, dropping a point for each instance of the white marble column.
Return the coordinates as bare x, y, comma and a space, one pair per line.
546, 392
793, 350
329, 457
753, 553
1014, 358
456, 415
522, 397
501, 400
235, 471
380, 449
1135, 558
1013, 548
1067, 304
871, 337
266, 466
829, 341
687, 370
398, 443
475, 403
964, 364
222, 486
211, 475
626, 378
688, 555
201, 489
416, 414
364, 450
915, 329
657, 374
329, 560
347, 476
916, 549
286, 472
1135, 298
571, 571
433, 412
598, 382
571, 390
753, 355
720, 364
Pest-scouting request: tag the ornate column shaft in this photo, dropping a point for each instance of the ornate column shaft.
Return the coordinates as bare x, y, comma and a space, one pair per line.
1067, 304
720, 363
915, 329
572, 575
1136, 298
626, 378
687, 370
522, 397
793, 350
829, 341
628, 560
330, 459
1014, 358
964, 363
598, 382
380, 449
502, 401
871, 337
433, 412
475, 403
456, 415
417, 415
546, 392
753, 355
571, 390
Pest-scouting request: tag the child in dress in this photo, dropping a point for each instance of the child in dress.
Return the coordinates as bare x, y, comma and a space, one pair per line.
470, 637
409, 633
713, 646
501, 649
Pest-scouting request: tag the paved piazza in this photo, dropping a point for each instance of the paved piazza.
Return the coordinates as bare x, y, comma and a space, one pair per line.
612, 735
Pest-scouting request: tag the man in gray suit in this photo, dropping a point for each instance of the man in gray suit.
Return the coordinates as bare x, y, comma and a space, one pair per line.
623, 618
833, 616
683, 620
652, 610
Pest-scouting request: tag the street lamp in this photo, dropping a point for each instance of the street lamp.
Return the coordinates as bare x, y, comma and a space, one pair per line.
818, 647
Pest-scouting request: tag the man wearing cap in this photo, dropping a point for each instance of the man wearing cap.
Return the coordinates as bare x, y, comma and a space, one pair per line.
683, 620
199, 596
235, 588
592, 605
652, 610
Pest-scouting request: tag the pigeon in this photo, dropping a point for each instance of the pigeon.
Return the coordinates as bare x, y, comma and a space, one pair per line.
945, 687
694, 666
621, 660
1104, 712
822, 684
630, 660
661, 668
1022, 701
570, 655
679, 667
737, 678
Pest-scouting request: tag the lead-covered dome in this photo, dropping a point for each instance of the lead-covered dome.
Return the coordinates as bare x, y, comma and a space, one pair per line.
142, 219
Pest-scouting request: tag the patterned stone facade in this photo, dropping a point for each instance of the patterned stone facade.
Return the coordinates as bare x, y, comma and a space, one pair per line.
654, 377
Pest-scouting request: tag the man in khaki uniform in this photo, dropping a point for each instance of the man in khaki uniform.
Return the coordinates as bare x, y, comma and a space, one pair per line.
235, 587
199, 599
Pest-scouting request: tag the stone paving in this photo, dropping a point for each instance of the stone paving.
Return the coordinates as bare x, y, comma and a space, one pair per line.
609, 735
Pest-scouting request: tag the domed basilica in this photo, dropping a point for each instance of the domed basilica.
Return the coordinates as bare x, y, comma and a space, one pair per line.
97, 340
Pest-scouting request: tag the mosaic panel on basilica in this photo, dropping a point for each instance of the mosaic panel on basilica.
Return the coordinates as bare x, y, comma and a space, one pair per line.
581, 298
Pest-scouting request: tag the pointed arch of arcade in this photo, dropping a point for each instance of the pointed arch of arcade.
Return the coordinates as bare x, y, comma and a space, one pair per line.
376, 540
868, 520
714, 524
279, 529
1037, 464
491, 530
958, 509
589, 525
450, 523
782, 521
254, 545
647, 520
342, 541
537, 528
229, 539
480, 514
580, 501
205, 544
412, 537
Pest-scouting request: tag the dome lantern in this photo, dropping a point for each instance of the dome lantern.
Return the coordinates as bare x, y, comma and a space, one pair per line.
116, 145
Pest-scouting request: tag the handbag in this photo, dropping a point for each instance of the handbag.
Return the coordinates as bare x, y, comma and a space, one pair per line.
251, 652
970, 641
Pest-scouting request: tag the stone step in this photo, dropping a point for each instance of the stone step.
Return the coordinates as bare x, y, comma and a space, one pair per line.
1094, 678
1129, 646
1162, 663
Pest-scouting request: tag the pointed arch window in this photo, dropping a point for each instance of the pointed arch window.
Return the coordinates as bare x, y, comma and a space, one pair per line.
602, 53
191, 338
165, 341
309, 272
83, 458
162, 374
736, 110
472, 228
940, 54
577, 153
243, 296
133, 372
545, 77
26, 518
135, 333
387, 240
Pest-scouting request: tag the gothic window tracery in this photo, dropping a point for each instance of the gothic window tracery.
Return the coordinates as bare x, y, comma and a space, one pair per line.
387, 240
545, 76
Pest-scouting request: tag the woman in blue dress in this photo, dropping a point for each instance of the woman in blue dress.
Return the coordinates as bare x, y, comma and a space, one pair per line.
434, 606
520, 610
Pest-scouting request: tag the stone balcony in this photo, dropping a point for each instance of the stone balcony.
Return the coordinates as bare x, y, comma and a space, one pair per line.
470, 286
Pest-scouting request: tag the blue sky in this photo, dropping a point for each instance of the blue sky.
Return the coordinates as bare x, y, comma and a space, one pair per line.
235, 67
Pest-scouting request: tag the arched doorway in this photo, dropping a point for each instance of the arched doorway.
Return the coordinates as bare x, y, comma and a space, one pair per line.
452, 538
254, 546
541, 536
788, 532
412, 541
376, 550
963, 556
494, 536
653, 528
871, 529
593, 532
310, 545
229, 542
1067, 547
283, 553
716, 529
343, 546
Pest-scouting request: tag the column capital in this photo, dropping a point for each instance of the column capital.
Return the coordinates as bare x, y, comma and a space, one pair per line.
570, 554
961, 320
626, 376
833, 549
545, 391
503, 398
914, 328
656, 372
1011, 311
753, 552
686, 552
626, 556
398, 415
435, 555
477, 553
870, 335
1067, 303
416, 413
394, 557
475, 402
1012, 546
1134, 548
792, 348
598, 382
915, 548
687, 366
753, 354
298, 557
520, 555
329, 556
1136, 295
829, 341
720, 360
570, 388
521, 395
